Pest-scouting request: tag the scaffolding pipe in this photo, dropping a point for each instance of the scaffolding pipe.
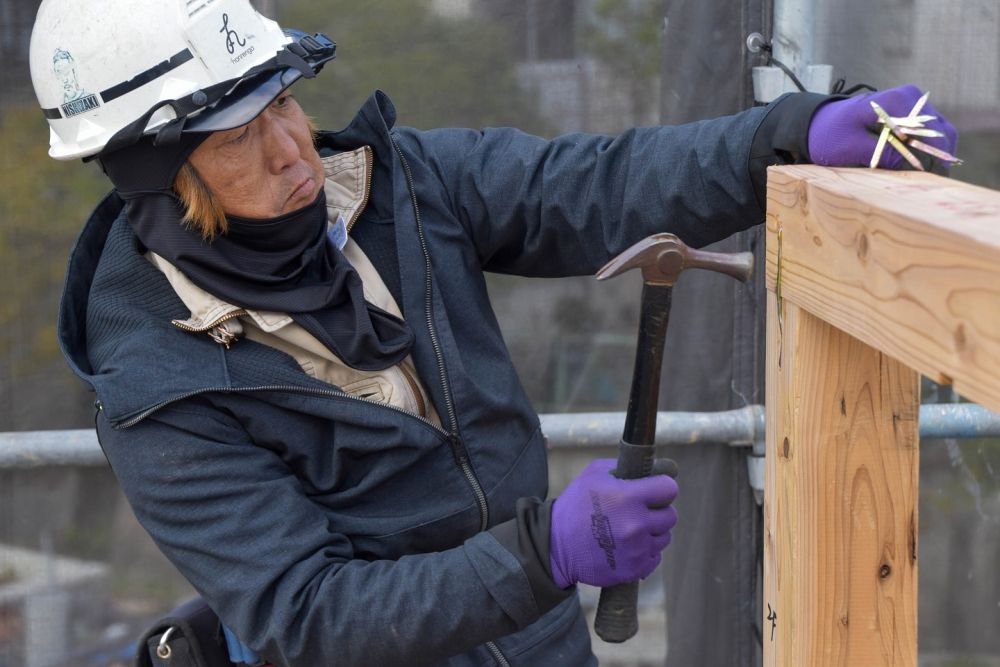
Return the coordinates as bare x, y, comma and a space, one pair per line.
742, 428
588, 429
33, 449
793, 44
745, 426
794, 25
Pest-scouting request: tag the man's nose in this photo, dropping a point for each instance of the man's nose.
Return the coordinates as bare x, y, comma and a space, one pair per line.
281, 149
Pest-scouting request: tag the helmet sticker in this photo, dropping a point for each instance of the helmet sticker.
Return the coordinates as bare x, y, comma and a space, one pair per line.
76, 100
232, 37
234, 41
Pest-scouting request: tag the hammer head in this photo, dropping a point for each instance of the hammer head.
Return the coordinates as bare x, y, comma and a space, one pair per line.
662, 258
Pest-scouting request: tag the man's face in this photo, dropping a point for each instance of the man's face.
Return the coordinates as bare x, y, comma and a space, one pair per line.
265, 168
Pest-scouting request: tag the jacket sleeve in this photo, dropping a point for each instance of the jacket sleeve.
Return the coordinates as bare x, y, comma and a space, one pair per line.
237, 523
565, 206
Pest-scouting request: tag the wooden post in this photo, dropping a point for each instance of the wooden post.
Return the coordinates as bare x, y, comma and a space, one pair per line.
840, 519
870, 274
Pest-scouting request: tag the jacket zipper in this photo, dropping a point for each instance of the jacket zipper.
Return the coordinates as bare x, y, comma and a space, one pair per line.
460, 452
279, 387
497, 654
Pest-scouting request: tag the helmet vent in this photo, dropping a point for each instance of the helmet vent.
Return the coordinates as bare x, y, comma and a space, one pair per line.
195, 6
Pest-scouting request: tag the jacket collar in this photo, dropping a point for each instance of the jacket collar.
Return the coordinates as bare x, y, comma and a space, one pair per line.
347, 187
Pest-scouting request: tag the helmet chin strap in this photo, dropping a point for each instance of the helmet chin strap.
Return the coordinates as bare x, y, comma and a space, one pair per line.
170, 133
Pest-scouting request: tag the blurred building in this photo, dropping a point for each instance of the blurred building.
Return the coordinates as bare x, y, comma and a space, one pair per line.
16, 18
950, 48
575, 88
453, 8
43, 596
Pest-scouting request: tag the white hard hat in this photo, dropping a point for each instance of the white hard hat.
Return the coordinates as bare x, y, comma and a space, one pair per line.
106, 72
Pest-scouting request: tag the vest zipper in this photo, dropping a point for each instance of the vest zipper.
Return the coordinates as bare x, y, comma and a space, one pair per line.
231, 315
369, 169
414, 389
215, 330
227, 340
458, 447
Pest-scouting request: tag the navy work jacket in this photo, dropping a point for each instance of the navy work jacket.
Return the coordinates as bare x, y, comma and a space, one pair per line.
325, 529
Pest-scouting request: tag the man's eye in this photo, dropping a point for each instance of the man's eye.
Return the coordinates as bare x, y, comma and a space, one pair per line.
241, 137
282, 101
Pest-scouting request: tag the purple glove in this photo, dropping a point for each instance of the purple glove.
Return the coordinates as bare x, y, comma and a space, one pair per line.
607, 531
839, 135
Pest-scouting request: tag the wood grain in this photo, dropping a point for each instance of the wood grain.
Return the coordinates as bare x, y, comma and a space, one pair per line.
907, 262
840, 513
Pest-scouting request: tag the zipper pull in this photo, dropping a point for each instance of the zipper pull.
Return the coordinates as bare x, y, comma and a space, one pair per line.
226, 333
458, 450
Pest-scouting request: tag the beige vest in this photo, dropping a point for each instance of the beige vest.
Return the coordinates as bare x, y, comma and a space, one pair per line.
348, 180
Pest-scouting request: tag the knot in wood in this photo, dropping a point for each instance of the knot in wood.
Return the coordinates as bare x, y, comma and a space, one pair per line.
863, 247
960, 339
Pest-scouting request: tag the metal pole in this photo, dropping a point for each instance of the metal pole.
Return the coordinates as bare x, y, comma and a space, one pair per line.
593, 429
793, 44
32, 449
794, 24
739, 428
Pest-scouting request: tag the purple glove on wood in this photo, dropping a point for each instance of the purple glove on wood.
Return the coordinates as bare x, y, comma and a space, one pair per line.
844, 133
608, 531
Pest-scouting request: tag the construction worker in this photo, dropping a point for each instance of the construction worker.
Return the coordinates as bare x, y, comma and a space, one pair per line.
299, 380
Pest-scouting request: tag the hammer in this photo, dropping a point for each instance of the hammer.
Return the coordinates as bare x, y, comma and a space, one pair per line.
662, 258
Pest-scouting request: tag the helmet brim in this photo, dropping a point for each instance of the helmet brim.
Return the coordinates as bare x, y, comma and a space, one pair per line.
251, 95
244, 102
230, 104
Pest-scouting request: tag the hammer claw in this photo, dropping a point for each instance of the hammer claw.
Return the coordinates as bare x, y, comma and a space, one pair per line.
641, 254
662, 258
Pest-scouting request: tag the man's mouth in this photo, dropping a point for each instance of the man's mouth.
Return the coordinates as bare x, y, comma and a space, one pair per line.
303, 190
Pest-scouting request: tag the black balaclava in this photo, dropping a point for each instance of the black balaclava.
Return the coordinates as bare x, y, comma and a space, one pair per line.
284, 264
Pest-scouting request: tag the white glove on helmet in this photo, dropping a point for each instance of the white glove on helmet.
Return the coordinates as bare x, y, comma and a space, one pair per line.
108, 71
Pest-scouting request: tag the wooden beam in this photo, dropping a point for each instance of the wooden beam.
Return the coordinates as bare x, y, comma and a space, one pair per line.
907, 262
840, 513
